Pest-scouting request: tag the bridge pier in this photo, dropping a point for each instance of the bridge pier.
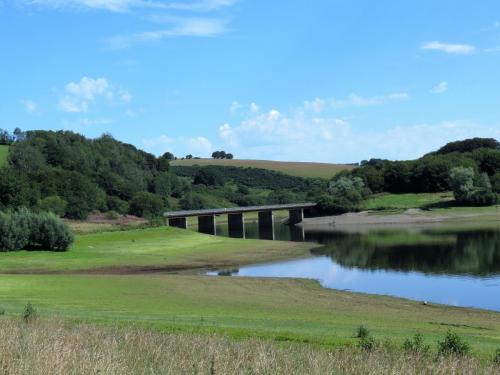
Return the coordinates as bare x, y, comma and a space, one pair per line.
207, 225
296, 216
297, 233
236, 225
266, 225
178, 222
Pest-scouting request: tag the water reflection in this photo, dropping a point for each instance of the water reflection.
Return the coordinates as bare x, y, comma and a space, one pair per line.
444, 265
468, 252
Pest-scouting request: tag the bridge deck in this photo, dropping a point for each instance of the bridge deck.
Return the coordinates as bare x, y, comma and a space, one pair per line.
237, 210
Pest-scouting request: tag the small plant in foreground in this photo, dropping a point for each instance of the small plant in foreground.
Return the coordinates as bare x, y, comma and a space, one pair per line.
362, 332
416, 345
496, 357
367, 343
29, 313
453, 345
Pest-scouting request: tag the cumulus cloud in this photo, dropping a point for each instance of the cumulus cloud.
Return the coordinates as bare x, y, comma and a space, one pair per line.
78, 96
302, 135
440, 88
457, 49
198, 146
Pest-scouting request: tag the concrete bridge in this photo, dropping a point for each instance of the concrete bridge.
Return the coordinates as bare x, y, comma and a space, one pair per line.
236, 218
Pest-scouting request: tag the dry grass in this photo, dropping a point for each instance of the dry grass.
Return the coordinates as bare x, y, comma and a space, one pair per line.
300, 169
48, 347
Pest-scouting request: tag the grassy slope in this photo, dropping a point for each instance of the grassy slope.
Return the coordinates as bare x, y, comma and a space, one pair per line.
301, 169
4, 150
277, 308
405, 201
155, 248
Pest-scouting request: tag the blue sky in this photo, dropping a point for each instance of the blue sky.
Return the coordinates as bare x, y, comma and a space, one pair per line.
312, 80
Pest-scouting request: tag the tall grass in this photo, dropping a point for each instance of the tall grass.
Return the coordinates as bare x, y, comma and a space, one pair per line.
49, 347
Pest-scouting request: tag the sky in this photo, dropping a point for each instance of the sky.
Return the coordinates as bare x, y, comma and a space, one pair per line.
300, 80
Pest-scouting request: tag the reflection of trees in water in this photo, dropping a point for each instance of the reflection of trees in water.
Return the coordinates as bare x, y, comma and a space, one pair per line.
454, 253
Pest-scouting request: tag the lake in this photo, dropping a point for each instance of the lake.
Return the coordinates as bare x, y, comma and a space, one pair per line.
443, 264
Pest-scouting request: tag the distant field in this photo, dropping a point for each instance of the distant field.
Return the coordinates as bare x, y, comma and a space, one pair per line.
405, 201
4, 150
300, 169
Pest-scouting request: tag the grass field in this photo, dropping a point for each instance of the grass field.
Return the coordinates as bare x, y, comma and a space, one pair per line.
4, 150
405, 201
150, 249
301, 169
52, 347
280, 309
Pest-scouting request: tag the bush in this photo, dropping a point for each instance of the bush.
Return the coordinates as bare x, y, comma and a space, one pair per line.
367, 343
453, 345
24, 229
362, 332
118, 205
416, 345
29, 313
54, 204
146, 204
496, 357
112, 215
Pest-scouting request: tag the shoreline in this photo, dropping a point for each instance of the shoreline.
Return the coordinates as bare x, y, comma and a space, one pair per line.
366, 220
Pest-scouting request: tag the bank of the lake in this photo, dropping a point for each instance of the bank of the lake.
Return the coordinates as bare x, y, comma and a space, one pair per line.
284, 309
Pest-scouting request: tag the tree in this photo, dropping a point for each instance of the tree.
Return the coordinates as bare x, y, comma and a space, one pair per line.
229, 156
189, 156
469, 188
147, 205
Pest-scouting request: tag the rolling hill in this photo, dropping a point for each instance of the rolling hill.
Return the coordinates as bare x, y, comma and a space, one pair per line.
4, 150
300, 169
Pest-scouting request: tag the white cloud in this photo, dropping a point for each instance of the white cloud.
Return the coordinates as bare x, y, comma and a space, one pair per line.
182, 27
198, 146
440, 88
305, 136
80, 95
235, 106
127, 5
458, 49
254, 108
30, 106
319, 105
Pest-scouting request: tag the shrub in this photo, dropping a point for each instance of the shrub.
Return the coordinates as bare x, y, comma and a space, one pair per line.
29, 313
496, 357
453, 345
54, 204
118, 205
112, 215
367, 343
362, 332
146, 204
52, 233
416, 345
24, 229
2, 311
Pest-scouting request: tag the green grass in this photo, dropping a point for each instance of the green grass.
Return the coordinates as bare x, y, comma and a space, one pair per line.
282, 309
300, 169
405, 201
155, 248
4, 150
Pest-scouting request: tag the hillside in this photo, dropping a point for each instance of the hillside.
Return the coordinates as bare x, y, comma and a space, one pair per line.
300, 169
3, 154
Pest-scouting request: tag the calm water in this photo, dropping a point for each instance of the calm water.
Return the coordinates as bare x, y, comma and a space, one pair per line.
452, 266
